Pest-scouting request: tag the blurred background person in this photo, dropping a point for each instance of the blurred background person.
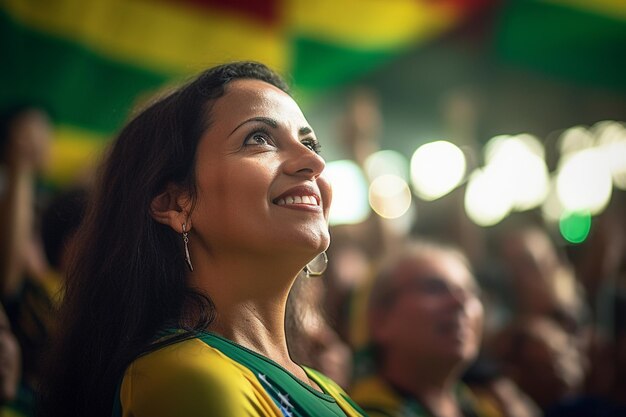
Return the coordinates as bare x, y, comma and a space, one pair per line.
25, 134
542, 281
543, 344
10, 371
26, 285
540, 356
425, 323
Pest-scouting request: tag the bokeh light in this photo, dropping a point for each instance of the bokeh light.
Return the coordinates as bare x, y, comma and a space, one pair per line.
532, 144
389, 196
493, 147
575, 226
350, 205
436, 169
575, 139
487, 198
611, 142
552, 209
386, 162
518, 161
584, 182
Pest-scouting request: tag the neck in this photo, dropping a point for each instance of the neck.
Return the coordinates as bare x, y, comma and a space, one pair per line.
250, 299
258, 325
432, 383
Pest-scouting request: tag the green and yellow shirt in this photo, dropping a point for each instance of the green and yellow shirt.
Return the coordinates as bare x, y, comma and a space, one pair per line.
211, 376
379, 399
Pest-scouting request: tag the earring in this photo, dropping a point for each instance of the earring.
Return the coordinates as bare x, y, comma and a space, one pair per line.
317, 266
186, 242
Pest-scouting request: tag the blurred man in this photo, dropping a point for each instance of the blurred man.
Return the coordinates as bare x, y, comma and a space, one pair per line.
425, 321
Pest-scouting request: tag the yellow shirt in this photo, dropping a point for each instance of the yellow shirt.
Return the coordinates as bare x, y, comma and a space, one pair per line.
212, 376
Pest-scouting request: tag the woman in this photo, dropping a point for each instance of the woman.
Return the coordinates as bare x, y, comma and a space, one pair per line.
209, 205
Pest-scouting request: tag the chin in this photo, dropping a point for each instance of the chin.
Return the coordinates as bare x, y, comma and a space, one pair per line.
318, 247
311, 243
325, 241
318, 240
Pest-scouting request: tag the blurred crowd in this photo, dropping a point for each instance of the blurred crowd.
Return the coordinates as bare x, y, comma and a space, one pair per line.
439, 319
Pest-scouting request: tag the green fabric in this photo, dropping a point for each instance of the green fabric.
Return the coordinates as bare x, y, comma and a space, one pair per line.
565, 42
292, 396
80, 87
320, 66
22, 406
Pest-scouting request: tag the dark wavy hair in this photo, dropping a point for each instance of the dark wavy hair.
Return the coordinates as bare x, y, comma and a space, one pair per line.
128, 276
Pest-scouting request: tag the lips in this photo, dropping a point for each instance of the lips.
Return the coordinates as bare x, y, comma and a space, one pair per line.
301, 195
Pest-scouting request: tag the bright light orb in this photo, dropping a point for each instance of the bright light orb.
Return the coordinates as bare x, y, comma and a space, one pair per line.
616, 155
530, 183
575, 139
350, 205
436, 169
494, 146
584, 182
533, 144
518, 161
487, 198
390, 196
552, 208
611, 142
608, 131
386, 162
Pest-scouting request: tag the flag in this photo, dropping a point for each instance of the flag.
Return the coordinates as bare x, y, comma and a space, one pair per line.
90, 62
576, 41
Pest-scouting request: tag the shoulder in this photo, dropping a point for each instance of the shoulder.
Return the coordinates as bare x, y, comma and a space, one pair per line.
190, 378
376, 397
344, 401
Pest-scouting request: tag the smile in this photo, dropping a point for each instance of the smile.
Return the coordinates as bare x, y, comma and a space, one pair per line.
309, 200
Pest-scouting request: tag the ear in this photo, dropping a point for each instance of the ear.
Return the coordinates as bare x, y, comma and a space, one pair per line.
172, 207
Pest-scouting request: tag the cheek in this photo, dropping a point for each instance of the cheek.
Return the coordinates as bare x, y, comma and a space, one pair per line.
227, 187
413, 316
212, 192
475, 312
327, 194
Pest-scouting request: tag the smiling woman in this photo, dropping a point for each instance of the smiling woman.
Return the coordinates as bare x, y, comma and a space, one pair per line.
210, 204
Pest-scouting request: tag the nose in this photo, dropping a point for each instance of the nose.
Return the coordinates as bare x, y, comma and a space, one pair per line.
302, 161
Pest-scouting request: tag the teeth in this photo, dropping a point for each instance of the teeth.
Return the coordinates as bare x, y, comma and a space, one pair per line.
305, 199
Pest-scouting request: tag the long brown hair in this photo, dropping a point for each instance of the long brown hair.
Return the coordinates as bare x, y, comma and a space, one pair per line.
128, 277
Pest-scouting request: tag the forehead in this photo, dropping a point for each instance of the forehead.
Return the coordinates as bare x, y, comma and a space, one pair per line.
247, 98
436, 264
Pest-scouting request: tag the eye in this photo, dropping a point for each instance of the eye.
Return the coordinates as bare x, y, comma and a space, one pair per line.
258, 139
432, 286
313, 145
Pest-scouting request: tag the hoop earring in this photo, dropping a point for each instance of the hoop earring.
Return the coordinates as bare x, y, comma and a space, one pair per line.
186, 242
317, 266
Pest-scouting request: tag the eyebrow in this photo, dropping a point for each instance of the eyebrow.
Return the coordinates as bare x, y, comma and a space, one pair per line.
272, 123
305, 131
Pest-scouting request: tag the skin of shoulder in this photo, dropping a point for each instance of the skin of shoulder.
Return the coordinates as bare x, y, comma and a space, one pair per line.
192, 379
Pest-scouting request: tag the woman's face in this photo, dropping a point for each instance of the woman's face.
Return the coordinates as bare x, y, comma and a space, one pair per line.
259, 189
